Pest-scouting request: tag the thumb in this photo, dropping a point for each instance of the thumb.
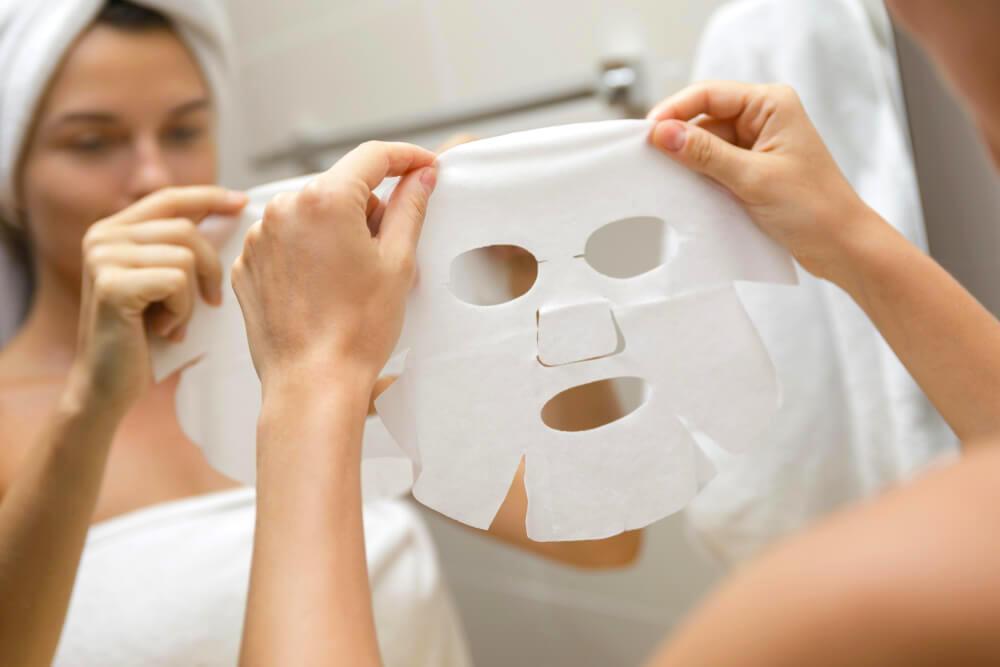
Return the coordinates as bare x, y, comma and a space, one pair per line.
404, 214
703, 152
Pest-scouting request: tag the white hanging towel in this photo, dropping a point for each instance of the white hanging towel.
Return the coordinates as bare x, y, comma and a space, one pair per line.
853, 420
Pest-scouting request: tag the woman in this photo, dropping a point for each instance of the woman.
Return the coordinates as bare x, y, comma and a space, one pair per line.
108, 142
910, 579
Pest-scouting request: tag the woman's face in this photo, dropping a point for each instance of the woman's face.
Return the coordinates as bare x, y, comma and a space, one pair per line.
126, 114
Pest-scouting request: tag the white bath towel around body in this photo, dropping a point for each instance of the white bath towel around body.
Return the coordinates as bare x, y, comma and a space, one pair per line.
166, 586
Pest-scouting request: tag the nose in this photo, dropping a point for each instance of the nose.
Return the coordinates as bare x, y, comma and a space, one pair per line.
576, 332
149, 169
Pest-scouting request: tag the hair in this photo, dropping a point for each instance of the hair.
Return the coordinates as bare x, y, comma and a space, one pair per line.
129, 16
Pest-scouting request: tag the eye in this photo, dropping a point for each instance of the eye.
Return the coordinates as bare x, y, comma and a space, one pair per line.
183, 134
92, 144
595, 404
492, 275
627, 248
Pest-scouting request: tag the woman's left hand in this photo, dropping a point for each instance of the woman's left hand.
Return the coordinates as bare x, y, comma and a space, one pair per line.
323, 277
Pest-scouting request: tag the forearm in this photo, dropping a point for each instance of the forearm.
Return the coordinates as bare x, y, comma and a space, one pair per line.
44, 518
947, 340
310, 600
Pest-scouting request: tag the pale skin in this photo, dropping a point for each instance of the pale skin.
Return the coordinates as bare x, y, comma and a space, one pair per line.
84, 433
908, 579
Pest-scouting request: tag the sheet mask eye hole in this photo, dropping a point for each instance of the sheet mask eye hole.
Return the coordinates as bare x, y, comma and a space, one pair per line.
627, 248
492, 275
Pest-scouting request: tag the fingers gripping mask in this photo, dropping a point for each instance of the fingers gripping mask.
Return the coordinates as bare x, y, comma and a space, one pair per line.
484, 368
218, 396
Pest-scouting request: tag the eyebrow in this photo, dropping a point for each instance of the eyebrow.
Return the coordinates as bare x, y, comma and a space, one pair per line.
102, 117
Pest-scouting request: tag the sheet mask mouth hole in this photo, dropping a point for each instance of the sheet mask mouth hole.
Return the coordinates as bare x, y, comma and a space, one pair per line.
627, 248
595, 404
492, 275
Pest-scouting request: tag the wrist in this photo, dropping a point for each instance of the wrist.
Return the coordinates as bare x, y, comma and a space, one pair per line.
869, 257
864, 241
309, 404
84, 399
306, 383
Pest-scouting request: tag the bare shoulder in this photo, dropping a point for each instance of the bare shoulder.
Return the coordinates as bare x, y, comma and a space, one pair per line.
911, 577
920, 565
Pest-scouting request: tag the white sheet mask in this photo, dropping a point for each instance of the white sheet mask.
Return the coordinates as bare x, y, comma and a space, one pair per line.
469, 404
218, 397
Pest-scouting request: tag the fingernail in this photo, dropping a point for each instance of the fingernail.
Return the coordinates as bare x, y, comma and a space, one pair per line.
428, 176
670, 135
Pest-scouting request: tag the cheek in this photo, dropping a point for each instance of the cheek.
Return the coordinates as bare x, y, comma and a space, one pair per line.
197, 166
62, 199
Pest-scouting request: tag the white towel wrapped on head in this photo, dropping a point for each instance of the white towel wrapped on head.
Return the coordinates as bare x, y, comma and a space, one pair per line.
35, 35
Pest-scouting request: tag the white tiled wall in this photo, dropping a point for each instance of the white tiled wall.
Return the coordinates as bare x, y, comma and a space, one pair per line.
343, 64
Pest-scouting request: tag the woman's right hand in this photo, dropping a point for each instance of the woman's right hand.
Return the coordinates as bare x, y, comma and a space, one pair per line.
757, 142
143, 269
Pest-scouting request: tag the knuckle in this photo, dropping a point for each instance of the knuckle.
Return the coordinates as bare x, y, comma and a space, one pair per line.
785, 94
162, 196
253, 235
406, 265
187, 226
96, 256
419, 206
169, 192
372, 145
277, 208
177, 280
749, 183
702, 151
93, 237
236, 270
182, 228
185, 258
314, 198
105, 283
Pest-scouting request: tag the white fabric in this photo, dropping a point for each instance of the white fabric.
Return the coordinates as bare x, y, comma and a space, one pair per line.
167, 585
853, 420
34, 36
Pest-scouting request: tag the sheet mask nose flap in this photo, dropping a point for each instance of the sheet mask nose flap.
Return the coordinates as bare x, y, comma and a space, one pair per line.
567, 334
